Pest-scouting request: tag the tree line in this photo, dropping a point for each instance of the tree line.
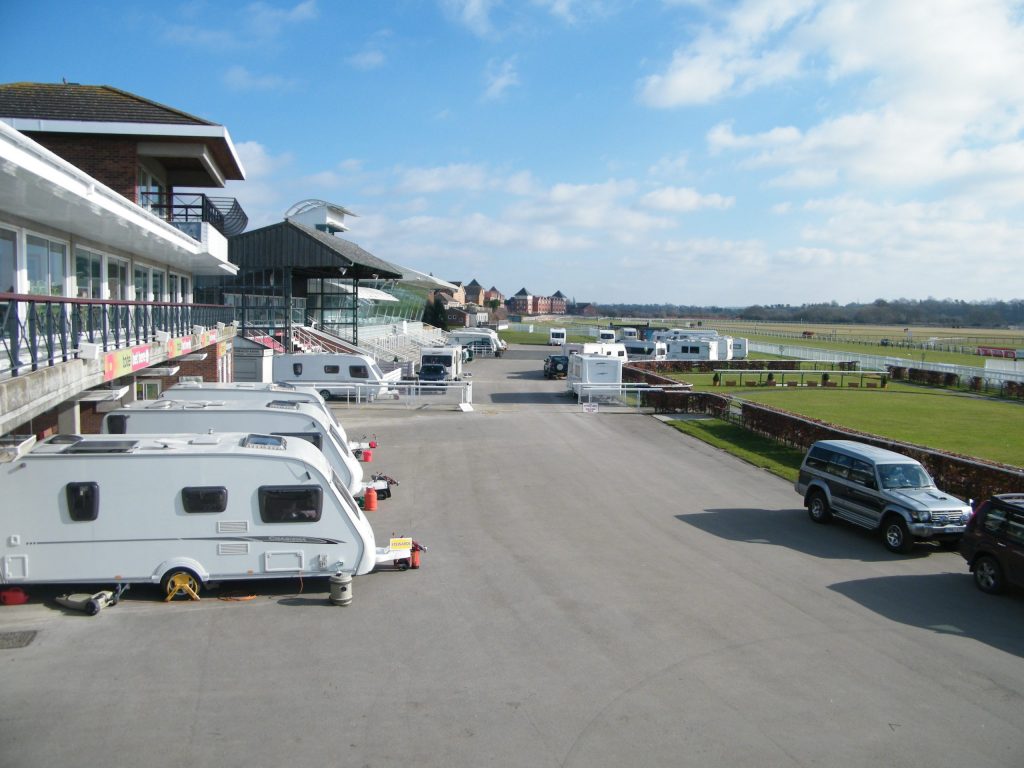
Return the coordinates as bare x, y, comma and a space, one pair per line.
944, 312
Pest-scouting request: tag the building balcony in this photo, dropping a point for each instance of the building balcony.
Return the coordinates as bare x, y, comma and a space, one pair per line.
188, 211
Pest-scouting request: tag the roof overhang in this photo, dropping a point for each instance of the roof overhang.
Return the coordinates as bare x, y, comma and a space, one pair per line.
215, 136
39, 186
372, 294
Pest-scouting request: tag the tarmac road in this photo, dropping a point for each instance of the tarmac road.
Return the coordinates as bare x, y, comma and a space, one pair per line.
598, 590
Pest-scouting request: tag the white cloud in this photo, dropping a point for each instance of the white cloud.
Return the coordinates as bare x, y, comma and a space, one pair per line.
370, 58
684, 200
239, 78
458, 176
500, 76
473, 14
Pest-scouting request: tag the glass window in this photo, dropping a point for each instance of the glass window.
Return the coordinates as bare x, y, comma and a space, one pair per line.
158, 285
818, 458
117, 279
297, 369
172, 288
45, 260
88, 274
995, 520
1015, 528
903, 476
290, 503
186, 290
204, 499
862, 473
83, 501
840, 465
332, 369
8, 252
141, 284
358, 372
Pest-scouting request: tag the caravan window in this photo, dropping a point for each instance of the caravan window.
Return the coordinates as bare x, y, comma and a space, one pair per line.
359, 372
332, 369
296, 369
204, 499
83, 501
290, 503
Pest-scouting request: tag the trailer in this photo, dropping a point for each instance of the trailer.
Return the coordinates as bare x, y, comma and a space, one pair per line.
259, 393
592, 376
348, 376
278, 417
607, 349
479, 340
556, 337
645, 350
177, 510
449, 357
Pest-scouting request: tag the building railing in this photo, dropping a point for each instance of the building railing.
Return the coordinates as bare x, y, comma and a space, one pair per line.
188, 210
42, 331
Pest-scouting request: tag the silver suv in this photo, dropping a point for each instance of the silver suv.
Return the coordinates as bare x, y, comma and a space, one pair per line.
879, 490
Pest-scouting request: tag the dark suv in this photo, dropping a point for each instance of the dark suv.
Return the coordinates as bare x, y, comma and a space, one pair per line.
556, 366
993, 544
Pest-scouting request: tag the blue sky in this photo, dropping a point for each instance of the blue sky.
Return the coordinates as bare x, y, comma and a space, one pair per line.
673, 151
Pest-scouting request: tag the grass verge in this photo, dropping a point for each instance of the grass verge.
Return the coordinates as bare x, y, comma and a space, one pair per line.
778, 459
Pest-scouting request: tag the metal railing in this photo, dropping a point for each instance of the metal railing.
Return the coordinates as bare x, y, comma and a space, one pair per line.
42, 331
186, 210
991, 376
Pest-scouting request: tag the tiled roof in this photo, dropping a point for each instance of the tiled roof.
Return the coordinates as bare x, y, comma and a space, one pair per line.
523, 292
473, 284
86, 103
558, 295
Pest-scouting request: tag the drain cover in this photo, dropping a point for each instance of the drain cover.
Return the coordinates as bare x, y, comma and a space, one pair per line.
16, 639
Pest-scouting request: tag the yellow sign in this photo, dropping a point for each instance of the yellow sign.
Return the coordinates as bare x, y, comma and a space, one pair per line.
400, 544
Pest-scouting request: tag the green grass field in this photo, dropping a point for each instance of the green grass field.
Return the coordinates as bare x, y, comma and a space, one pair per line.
759, 451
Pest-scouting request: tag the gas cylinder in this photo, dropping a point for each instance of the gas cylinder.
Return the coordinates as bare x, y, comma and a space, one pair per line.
341, 588
370, 499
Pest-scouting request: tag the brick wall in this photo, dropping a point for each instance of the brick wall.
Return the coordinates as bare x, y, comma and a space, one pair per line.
109, 159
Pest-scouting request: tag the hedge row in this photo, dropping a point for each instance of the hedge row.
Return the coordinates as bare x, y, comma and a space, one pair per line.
961, 476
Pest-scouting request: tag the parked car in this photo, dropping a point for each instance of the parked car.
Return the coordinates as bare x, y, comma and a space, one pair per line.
993, 544
556, 366
433, 379
879, 490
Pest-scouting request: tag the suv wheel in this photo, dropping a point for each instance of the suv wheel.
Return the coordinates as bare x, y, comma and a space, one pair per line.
897, 536
988, 575
817, 507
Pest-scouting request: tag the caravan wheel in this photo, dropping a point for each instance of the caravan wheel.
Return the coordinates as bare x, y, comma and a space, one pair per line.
176, 579
325, 394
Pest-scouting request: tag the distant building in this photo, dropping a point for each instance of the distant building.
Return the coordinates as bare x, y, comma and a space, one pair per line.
475, 293
559, 303
521, 303
585, 309
493, 294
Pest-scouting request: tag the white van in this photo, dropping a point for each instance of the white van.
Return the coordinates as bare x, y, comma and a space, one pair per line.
280, 417
556, 337
177, 509
350, 376
594, 376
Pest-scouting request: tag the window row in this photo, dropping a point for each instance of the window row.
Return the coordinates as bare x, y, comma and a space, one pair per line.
38, 265
278, 503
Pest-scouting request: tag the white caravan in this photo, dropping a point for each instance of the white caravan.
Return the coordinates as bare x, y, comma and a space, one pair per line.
645, 350
478, 340
176, 510
606, 335
692, 349
556, 337
628, 334
257, 393
740, 347
342, 375
594, 376
278, 417
595, 348
449, 357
